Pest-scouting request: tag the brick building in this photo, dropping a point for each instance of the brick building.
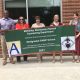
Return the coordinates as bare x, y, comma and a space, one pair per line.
68, 8
1, 8
65, 8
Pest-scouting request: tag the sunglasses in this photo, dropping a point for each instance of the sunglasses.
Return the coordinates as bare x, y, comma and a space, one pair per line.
21, 19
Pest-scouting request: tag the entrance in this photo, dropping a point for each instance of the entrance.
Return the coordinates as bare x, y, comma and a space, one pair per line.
43, 8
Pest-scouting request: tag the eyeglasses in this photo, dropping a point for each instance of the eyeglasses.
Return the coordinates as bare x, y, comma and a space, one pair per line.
21, 19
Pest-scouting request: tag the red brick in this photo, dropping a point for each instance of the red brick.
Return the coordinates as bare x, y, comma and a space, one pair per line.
68, 8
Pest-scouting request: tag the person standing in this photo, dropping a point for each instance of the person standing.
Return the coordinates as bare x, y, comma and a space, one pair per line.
56, 23
6, 23
21, 24
38, 23
76, 22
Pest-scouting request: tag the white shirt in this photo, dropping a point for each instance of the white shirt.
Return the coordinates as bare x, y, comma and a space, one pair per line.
35, 25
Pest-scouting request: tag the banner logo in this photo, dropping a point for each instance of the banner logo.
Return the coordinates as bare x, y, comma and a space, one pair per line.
68, 43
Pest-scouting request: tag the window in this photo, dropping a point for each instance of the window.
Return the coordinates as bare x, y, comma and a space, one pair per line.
44, 8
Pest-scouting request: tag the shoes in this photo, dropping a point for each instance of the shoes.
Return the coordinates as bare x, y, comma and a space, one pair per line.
12, 62
4, 62
77, 61
73, 61
61, 61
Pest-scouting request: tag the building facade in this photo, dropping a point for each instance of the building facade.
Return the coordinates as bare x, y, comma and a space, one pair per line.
67, 7
1, 8
43, 8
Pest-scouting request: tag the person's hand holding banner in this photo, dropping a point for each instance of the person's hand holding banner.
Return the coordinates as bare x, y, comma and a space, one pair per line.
78, 35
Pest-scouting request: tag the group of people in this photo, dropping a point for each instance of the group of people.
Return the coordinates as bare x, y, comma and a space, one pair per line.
7, 23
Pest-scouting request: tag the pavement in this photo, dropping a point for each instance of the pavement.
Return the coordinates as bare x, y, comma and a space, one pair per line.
47, 70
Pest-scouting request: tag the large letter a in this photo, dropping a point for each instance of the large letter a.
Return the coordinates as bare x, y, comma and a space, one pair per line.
13, 47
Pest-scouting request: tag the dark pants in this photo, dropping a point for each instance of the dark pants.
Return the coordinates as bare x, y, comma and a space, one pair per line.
19, 58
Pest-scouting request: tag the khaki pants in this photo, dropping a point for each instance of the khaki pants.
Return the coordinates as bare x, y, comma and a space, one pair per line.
4, 47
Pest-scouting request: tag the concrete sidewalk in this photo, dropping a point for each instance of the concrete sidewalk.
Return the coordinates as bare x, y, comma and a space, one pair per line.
32, 70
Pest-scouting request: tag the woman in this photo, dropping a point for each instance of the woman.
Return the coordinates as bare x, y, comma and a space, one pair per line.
56, 23
37, 24
76, 22
21, 24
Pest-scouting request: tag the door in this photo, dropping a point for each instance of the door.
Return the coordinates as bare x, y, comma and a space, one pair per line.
43, 8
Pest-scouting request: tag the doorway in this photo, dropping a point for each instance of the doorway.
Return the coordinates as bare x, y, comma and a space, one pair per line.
43, 8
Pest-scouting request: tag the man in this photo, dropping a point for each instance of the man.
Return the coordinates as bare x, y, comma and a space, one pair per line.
6, 23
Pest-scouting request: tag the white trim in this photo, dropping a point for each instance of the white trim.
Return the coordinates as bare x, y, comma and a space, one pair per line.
14, 4
27, 11
61, 11
4, 5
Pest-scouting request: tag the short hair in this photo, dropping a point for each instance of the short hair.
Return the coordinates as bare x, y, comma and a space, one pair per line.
76, 13
37, 17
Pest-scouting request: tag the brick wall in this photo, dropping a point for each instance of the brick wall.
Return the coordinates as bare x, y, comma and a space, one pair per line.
68, 8
1, 8
1, 14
